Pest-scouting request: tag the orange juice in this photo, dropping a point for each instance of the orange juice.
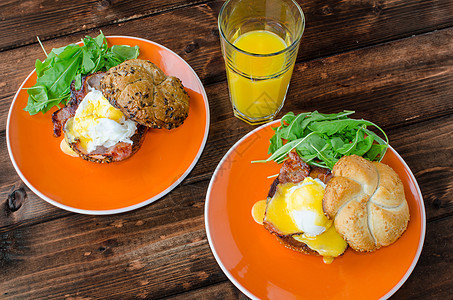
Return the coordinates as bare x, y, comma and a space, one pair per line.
258, 83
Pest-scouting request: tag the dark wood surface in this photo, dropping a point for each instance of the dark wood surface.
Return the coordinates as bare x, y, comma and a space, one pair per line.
390, 61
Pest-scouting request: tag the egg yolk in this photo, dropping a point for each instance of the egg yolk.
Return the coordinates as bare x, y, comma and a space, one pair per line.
296, 209
305, 206
258, 211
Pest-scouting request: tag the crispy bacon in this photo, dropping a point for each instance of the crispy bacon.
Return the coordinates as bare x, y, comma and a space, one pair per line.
118, 152
60, 117
294, 169
322, 174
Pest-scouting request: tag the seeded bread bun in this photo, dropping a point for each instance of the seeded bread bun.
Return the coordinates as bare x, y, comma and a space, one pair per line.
367, 202
146, 95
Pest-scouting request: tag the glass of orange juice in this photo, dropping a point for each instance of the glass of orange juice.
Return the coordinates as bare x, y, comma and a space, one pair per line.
260, 40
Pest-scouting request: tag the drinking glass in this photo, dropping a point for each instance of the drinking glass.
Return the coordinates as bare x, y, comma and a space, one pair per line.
260, 40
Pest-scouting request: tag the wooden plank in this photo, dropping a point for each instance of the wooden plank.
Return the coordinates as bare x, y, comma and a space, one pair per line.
372, 87
161, 249
201, 48
350, 24
220, 291
146, 254
22, 21
431, 277
425, 281
360, 80
433, 170
336, 26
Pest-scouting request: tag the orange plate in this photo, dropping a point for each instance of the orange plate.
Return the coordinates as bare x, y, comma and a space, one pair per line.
262, 268
163, 161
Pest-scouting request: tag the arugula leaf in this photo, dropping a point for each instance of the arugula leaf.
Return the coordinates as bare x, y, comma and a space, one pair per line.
65, 64
322, 139
87, 62
122, 52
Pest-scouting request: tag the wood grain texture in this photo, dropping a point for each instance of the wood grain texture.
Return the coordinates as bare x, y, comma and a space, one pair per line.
22, 21
413, 69
140, 255
161, 249
379, 91
433, 170
220, 291
81, 255
426, 281
431, 278
201, 47
360, 22
390, 60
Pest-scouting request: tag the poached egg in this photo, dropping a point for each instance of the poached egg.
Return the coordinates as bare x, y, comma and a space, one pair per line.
98, 123
296, 210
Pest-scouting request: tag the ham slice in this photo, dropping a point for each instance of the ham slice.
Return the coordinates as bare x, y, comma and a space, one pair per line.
118, 152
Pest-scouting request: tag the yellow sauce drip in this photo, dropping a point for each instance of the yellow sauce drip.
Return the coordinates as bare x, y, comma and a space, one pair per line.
258, 210
66, 149
327, 244
290, 198
277, 211
328, 260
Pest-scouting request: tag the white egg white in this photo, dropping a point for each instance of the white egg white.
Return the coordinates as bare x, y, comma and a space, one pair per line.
306, 218
98, 123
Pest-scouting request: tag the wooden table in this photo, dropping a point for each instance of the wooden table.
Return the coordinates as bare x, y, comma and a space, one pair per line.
391, 61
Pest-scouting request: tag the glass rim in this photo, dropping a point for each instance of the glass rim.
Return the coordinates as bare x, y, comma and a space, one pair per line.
292, 45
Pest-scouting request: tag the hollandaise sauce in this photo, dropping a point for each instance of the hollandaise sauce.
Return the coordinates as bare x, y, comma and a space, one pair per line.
258, 211
328, 244
64, 147
98, 123
258, 84
296, 209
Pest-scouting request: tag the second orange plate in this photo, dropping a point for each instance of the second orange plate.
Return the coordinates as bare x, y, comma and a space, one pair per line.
163, 161
262, 268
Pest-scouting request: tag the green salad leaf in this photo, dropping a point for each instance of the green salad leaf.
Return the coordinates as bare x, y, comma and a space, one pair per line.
65, 64
322, 139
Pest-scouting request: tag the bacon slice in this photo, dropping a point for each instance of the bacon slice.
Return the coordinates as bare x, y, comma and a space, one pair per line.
118, 152
294, 169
